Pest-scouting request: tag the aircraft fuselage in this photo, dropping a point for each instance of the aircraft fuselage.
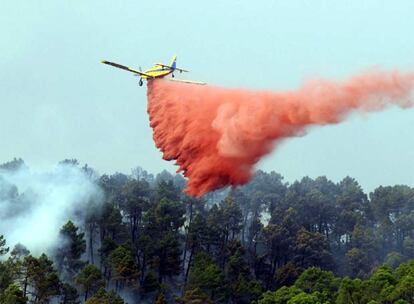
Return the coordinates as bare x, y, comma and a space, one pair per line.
157, 72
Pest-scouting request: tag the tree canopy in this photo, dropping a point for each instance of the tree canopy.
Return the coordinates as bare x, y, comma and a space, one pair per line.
311, 241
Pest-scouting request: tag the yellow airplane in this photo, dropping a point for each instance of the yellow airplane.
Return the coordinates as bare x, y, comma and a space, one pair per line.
159, 70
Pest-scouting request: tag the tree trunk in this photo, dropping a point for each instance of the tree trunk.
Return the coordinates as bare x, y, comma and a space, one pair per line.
272, 272
143, 268
188, 230
25, 286
244, 228
91, 231
159, 275
190, 259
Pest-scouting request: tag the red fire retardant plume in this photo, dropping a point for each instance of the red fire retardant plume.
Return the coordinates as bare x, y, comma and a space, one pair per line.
217, 135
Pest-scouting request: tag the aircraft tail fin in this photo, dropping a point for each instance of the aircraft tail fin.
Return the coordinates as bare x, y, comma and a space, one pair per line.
173, 63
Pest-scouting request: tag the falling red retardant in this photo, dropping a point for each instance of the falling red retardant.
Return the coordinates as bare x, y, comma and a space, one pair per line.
217, 135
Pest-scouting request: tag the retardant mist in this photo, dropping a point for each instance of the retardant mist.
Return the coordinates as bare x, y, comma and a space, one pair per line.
217, 135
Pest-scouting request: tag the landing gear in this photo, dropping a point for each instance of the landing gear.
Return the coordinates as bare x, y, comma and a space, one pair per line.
140, 82
172, 75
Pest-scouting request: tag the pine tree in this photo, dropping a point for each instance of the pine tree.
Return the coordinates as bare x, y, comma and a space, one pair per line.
3, 248
125, 270
90, 279
104, 297
72, 247
42, 278
12, 295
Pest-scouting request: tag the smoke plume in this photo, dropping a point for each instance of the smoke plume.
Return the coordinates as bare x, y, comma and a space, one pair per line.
35, 205
217, 135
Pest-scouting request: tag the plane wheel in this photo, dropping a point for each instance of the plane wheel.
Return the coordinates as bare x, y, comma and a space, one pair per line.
141, 82
172, 75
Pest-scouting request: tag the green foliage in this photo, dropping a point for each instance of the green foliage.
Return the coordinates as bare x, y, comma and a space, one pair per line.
69, 294
245, 291
384, 286
167, 190
394, 259
90, 279
194, 296
69, 162
123, 265
161, 299
12, 295
107, 247
134, 201
381, 283
312, 249
150, 282
357, 262
19, 252
305, 298
5, 274
72, 247
286, 275
13, 165
404, 290
104, 297
110, 223
3, 248
168, 215
207, 276
42, 277
232, 217
267, 235
317, 286
160, 241
242, 288
168, 255
316, 280
351, 291
396, 302
281, 296
237, 265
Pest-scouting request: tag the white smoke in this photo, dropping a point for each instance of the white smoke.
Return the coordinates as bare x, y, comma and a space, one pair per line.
35, 205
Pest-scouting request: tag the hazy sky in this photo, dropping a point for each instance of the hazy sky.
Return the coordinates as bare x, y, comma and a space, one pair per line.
58, 101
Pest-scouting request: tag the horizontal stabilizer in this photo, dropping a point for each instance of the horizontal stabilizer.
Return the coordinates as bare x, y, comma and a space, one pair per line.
187, 81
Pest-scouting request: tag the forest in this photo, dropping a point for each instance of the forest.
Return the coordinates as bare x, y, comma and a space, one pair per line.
310, 241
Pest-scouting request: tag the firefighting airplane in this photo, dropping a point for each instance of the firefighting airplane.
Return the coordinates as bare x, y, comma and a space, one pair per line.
159, 70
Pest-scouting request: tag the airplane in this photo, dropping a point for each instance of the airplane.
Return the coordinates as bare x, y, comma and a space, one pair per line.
159, 70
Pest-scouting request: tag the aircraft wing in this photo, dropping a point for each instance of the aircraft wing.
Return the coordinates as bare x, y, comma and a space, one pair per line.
119, 66
187, 81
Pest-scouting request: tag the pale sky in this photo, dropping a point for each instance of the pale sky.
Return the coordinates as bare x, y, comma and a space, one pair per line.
57, 100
